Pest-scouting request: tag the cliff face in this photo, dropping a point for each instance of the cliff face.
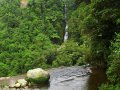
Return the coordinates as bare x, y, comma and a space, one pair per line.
24, 3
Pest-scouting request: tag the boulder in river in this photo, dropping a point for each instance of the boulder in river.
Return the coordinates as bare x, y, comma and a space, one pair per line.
38, 76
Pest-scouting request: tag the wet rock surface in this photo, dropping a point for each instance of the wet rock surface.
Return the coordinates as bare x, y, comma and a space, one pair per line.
69, 78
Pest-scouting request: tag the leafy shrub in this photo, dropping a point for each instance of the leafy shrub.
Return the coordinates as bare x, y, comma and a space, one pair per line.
109, 87
70, 53
114, 61
113, 71
4, 69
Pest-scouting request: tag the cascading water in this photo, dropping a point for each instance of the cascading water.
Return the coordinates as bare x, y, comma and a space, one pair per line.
66, 24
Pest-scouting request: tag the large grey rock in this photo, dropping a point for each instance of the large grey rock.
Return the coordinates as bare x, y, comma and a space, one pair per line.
69, 78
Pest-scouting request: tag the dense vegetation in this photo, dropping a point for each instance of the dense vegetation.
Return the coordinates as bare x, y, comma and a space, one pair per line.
32, 37
99, 21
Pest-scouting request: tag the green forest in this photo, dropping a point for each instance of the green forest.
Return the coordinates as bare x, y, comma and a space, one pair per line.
33, 36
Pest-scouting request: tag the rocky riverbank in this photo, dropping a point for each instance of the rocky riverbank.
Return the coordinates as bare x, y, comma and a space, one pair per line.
63, 78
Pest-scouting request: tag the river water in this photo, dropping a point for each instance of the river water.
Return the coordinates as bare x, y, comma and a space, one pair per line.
66, 78
77, 78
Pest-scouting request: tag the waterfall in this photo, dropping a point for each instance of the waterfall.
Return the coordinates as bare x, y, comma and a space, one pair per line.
66, 24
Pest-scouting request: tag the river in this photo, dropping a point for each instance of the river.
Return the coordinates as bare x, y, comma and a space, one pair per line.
66, 78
